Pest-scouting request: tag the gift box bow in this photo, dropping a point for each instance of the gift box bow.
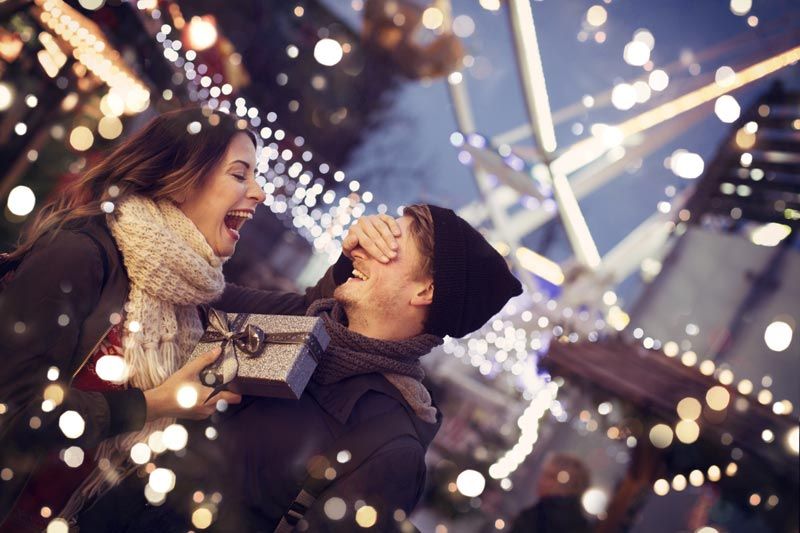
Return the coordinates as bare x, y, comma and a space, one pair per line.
251, 340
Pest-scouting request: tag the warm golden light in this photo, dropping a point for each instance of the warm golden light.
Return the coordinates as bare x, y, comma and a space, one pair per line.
540, 265
661, 435
671, 349
707, 367
202, 32
661, 487
689, 358
679, 482
764, 396
596, 16
432, 18
793, 440
202, 518
718, 398
687, 431
745, 386
109, 127
725, 376
689, 409
366, 516
81, 138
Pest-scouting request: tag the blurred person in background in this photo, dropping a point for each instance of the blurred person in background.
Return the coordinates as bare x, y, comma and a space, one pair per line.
561, 483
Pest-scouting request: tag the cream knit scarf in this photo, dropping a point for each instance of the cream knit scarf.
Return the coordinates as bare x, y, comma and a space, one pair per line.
172, 269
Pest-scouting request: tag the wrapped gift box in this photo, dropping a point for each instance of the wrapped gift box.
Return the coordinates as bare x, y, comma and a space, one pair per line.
262, 355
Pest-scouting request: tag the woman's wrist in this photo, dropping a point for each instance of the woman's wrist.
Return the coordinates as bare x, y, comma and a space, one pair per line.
155, 404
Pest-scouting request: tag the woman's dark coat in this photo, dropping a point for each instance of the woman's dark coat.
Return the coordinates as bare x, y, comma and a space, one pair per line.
61, 301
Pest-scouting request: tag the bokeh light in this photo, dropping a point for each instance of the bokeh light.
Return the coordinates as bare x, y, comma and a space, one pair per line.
594, 501
470, 483
21, 200
718, 398
328, 52
202, 32
778, 336
661, 435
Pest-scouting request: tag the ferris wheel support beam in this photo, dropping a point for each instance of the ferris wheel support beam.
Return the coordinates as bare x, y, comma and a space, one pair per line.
538, 106
588, 150
466, 124
646, 241
497, 214
585, 181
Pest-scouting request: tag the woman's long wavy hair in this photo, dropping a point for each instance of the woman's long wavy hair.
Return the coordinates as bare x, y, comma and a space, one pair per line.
168, 158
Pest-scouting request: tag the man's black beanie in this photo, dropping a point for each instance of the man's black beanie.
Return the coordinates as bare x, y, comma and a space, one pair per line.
471, 281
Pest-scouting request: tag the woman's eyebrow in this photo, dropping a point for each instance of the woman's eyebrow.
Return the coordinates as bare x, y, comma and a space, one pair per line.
246, 164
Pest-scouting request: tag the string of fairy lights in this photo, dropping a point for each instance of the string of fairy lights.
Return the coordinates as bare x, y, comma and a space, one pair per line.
295, 186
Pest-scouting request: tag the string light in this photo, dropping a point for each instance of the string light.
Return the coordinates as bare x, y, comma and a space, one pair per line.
322, 225
92, 50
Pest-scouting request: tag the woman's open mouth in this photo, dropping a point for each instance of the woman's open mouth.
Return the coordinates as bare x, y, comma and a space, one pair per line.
234, 220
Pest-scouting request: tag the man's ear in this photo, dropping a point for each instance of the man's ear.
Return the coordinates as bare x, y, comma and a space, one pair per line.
424, 295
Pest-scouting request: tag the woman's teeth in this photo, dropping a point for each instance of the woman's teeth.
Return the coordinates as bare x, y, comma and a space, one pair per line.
235, 219
360, 275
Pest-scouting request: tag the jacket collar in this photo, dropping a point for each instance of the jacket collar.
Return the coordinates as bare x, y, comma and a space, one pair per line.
340, 398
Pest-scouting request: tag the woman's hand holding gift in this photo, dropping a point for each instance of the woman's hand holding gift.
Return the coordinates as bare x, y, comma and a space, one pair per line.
182, 395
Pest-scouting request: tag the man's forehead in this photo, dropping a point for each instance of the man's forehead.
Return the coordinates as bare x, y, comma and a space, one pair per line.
406, 240
405, 228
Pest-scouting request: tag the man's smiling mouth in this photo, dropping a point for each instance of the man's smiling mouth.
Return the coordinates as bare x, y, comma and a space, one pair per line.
359, 275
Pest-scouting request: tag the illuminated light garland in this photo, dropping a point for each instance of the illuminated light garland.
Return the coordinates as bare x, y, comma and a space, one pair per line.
713, 474
306, 201
529, 432
707, 367
92, 50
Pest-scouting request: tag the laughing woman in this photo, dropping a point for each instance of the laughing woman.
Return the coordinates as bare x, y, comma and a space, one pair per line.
113, 270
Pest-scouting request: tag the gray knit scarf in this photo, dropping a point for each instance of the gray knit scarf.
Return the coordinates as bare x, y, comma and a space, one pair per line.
351, 354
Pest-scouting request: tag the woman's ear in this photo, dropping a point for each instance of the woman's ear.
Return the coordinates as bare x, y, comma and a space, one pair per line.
424, 296
179, 197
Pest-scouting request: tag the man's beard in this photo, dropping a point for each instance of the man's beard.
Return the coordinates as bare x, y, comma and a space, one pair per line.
362, 307
341, 294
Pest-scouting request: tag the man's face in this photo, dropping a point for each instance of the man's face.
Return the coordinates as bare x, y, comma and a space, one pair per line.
385, 289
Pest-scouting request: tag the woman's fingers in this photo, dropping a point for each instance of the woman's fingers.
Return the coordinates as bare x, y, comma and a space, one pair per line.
226, 396
349, 244
193, 367
376, 235
392, 224
372, 241
386, 231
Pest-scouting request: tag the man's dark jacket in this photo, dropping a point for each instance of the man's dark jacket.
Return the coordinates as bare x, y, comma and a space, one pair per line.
80, 276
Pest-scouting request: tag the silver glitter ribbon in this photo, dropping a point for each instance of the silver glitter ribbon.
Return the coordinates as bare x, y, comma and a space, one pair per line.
251, 340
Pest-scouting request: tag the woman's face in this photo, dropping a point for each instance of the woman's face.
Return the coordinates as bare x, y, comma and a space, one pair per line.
228, 197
